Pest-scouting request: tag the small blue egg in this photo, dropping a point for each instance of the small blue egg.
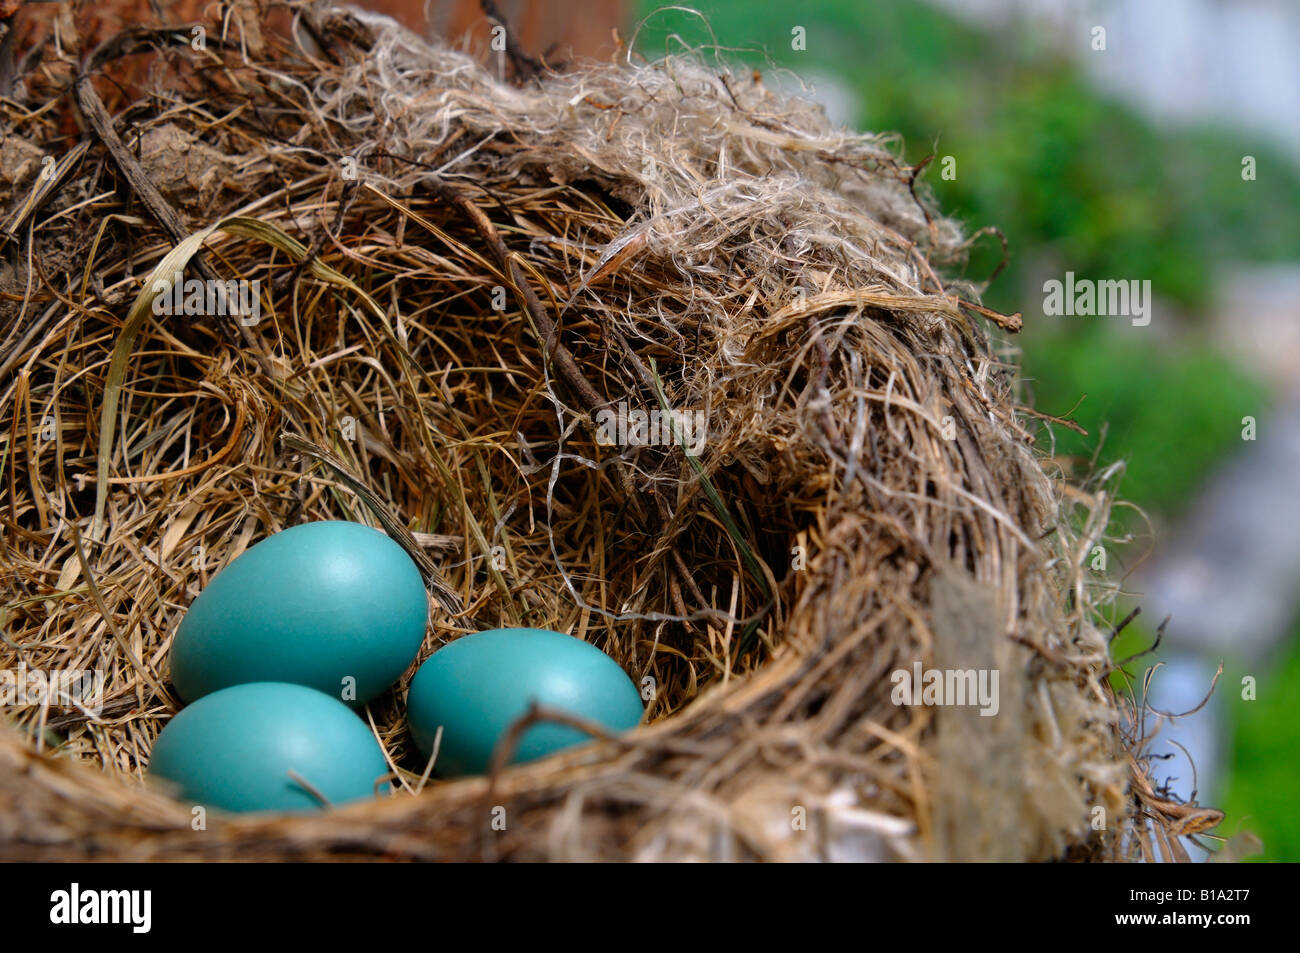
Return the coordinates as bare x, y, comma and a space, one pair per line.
235, 748
478, 685
335, 606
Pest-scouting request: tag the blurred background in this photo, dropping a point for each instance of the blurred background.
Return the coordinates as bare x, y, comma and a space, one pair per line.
1154, 140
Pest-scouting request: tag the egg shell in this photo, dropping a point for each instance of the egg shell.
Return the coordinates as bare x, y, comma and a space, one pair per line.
481, 683
316, 605
234, 749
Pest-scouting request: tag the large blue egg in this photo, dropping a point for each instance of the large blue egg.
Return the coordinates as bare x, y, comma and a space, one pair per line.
234, 750
336, 606
478, 685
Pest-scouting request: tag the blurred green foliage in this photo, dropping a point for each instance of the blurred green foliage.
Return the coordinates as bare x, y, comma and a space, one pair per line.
1264, 787
1169, 412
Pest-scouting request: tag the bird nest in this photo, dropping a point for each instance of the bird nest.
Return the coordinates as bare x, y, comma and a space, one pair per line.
643, 352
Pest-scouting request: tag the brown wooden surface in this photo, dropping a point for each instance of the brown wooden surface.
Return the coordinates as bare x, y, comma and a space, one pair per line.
556, 29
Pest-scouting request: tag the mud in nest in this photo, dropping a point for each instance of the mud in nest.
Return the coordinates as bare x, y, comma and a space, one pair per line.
460, 281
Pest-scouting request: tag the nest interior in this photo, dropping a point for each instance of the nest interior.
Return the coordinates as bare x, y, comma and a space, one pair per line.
458, 278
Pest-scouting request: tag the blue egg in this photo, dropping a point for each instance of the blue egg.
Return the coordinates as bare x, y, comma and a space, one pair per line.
335, 606
478, 685
238, 749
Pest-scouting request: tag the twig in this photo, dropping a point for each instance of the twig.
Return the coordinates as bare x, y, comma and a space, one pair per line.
310, 788
553, 348
1123, 623
1008, 322
1063, 421
509, 742
1060, 661
1160, 634
520, 60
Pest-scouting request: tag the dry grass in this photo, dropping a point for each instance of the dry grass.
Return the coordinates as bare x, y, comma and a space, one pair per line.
665, 235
